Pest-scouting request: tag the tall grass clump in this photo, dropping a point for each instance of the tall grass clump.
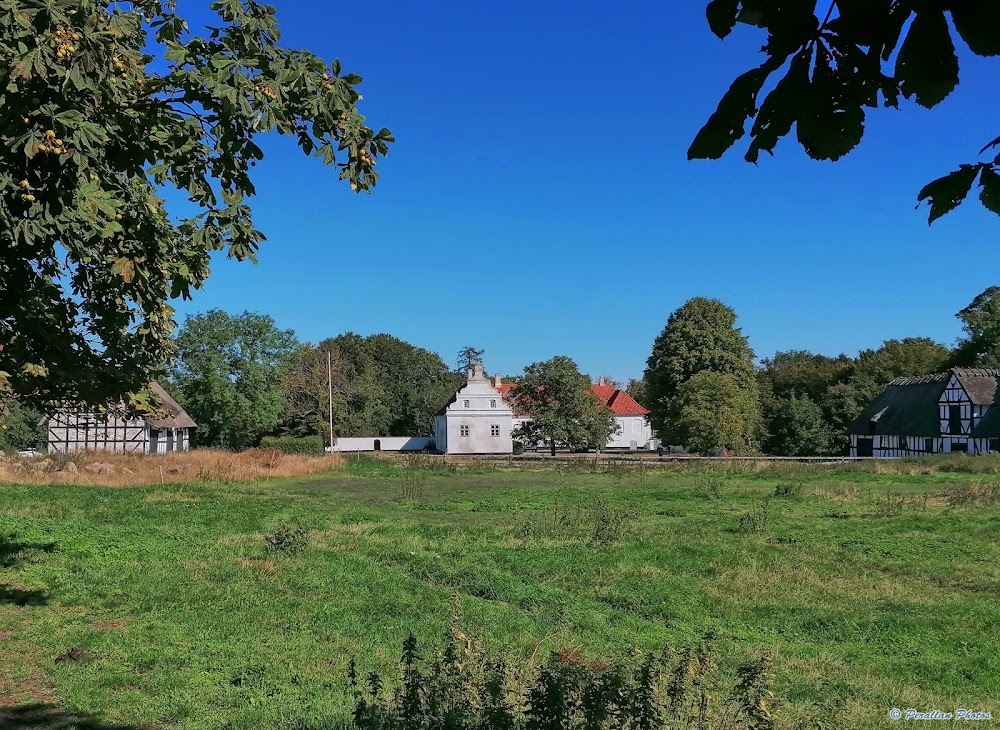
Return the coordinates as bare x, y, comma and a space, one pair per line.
456, 686
977, 493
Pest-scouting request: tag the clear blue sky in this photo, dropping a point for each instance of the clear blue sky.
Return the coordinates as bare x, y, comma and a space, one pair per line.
539, 201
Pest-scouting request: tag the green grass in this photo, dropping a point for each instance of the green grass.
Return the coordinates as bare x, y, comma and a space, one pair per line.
864, 586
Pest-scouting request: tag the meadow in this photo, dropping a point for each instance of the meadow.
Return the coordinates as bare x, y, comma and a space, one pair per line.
240, 605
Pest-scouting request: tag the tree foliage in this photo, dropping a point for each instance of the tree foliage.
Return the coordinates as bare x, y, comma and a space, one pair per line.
561, 405
803, 373
796, 427
467, 357
20, 428
980, 347
383, 385
105, 104
838, 59
700, 336
227, 376
712, 411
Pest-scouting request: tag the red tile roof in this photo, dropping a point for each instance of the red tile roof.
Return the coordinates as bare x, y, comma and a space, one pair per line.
620, 402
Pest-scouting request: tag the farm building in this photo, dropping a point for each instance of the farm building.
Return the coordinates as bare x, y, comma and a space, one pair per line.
940, 413
169, 429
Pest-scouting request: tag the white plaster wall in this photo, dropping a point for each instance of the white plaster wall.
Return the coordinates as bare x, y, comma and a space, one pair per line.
386, 443
478, 406
631, 428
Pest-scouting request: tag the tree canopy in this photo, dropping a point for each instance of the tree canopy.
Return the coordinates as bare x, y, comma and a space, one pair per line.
796, 427
838, 59
105, 105
713, 411
980, 347
562, 406
700, 336
228, 373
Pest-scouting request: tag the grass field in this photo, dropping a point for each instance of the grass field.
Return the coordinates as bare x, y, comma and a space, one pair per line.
879, 589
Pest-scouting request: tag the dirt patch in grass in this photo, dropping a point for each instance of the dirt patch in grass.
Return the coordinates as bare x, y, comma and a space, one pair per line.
107, 625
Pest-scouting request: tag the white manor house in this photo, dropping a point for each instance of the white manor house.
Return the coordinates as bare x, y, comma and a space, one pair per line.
479, 420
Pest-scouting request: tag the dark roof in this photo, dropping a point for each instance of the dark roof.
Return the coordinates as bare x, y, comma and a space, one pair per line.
169, 414
907, 407
979, 383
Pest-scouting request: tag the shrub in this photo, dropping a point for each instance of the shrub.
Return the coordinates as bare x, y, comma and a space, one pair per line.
288, 539
973, 494
518, 448
310, 445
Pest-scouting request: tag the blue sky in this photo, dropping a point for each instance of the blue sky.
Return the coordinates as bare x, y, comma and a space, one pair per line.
539, 202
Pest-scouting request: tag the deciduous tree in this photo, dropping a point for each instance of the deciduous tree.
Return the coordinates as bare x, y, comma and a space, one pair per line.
840, 58
700, 336
796, 426
714, 410
562, 407
105, 104
228, 374
981, 321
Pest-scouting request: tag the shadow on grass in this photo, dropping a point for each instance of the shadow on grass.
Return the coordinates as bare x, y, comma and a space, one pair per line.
38, 716
12, 552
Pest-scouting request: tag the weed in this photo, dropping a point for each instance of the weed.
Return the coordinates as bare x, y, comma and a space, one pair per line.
456, 686
710, 487
973, 494
411, 489
756, 520
288, 539
789, 489
611, 524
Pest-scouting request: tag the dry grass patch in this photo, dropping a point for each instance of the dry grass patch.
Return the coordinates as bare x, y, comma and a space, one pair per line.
108, 469
261, 565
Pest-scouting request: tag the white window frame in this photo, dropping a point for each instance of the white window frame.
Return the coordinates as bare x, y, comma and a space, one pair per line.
466, 404
464, 431
495, 430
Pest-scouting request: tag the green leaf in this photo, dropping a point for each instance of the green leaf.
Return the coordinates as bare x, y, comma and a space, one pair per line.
927, 66
947, 193
832, 123
989, 195
726, 125
979, 25
781, 108
352, 79
721, 16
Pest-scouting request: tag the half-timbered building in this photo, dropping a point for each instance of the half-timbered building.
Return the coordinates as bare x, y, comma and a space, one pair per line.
940, 413
168, 429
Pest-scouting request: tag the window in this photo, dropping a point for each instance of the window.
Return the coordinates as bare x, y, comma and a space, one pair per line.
494, 430
466, 404
463, 430
902, 443
493, 404
929, 445
955, 419
993, 445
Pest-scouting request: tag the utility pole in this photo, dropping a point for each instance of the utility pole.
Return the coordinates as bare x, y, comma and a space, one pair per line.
329, 383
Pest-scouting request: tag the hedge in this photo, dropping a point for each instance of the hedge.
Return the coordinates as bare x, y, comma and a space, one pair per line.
312, 445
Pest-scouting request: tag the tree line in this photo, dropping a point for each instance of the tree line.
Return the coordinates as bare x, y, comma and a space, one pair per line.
242, 378
705, 392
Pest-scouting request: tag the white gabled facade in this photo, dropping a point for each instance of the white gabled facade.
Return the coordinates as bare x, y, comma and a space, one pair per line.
476, 421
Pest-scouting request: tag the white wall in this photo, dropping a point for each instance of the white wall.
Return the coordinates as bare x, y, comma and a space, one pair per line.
633, 432
386, 443
469, 419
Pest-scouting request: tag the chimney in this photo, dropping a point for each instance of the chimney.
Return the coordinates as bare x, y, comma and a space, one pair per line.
497, 382
602, 380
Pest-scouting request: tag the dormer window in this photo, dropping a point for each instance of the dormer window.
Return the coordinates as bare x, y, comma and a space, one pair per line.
466, 404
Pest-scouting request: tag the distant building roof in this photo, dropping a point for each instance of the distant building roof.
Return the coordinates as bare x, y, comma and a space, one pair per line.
620, 402
169, 414
909, 406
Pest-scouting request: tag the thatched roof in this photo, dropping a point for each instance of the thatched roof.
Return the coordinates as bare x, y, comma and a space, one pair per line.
909, 406
169, 414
